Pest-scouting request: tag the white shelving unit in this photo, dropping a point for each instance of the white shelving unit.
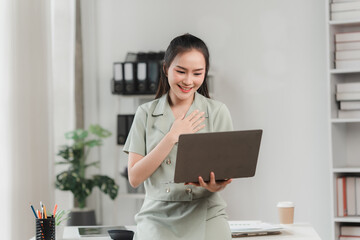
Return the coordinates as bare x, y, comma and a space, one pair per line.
344, 133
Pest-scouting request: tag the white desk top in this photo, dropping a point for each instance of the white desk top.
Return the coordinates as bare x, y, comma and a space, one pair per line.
297, 231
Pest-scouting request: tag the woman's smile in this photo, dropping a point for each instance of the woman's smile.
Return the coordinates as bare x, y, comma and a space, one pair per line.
185, 89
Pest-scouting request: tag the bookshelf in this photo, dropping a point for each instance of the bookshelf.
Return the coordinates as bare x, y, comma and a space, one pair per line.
344, 133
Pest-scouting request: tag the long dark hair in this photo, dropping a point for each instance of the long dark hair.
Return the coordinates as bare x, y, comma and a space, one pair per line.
178, 45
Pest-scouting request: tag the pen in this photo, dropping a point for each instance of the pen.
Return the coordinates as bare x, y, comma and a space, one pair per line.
42, 209
32, 208
54, 212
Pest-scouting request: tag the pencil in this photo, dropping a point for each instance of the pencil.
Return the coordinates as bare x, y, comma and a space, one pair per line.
39, 214
54, 212
45, 212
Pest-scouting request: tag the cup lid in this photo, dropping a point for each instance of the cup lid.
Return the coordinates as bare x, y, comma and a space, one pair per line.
285, 204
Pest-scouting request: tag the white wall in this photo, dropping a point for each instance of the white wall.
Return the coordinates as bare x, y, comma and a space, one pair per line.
63, 41
268, 61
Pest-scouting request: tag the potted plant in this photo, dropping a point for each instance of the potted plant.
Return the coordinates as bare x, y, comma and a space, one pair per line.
75, 179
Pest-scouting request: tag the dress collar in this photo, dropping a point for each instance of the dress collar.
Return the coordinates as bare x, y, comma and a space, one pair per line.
163, 105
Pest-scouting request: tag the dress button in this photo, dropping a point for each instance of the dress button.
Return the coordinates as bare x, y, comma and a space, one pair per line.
188, 190
168, 161
167, 190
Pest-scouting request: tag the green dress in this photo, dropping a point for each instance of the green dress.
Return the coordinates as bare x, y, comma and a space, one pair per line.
171, 210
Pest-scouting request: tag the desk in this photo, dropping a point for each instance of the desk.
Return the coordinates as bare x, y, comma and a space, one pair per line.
299, 231
290, 232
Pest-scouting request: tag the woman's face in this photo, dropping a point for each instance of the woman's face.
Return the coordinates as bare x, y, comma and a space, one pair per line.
185, 75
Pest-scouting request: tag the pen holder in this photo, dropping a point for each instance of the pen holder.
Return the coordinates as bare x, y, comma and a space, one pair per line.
45, 229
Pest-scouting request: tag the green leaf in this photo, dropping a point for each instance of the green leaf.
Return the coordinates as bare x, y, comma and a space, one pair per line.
93, 143
78, 134
106, 185
59, 163
61, 216
99, 131
95, 164
70, 154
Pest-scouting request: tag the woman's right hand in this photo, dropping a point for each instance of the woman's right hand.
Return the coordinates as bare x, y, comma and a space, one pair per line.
189, 124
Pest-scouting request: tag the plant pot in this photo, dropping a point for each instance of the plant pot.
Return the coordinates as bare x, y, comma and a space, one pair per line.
59, 232
82, 217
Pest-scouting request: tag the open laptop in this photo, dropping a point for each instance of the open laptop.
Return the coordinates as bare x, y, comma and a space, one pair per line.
228, 154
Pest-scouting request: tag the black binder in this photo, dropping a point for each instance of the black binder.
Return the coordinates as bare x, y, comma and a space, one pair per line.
123, 127
117, 83
153, 75
141, 77
129, 77
138, 74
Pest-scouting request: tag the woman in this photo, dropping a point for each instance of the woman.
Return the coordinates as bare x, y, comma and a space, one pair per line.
182, 105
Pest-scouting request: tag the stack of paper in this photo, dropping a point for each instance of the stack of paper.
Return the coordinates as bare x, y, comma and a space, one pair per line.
249, 228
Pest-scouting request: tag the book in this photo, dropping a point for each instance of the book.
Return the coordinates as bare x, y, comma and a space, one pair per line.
349, 105
346, 64
347, 55
357, 192
347, 37
345, 15
348, 87
253, 228
350, 196
341, 46
345, 6
341, 196
97, 231
350, 231
347, 96
349, 114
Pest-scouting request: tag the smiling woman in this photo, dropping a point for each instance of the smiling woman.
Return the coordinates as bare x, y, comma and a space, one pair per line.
182, 106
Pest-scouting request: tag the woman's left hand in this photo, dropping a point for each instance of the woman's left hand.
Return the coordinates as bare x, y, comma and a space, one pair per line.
212, 186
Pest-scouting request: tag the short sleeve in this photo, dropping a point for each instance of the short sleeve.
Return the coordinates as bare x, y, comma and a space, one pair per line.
135, 141
222, 120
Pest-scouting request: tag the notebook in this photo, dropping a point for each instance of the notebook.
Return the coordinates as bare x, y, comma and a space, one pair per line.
253, 228
97, 231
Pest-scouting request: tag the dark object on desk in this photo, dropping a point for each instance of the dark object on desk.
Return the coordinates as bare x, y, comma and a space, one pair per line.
121, 234
82, 217
231, 154
98, 231
45, 229
255, 234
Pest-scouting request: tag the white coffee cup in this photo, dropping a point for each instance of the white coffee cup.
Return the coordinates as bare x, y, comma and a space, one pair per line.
286, 212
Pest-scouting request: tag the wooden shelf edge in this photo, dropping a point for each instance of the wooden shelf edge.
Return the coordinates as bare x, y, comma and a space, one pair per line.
347, 170
353, 219
344, 22
345, 120
341, 71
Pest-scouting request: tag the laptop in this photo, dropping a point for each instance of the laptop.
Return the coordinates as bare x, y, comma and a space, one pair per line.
231, 154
